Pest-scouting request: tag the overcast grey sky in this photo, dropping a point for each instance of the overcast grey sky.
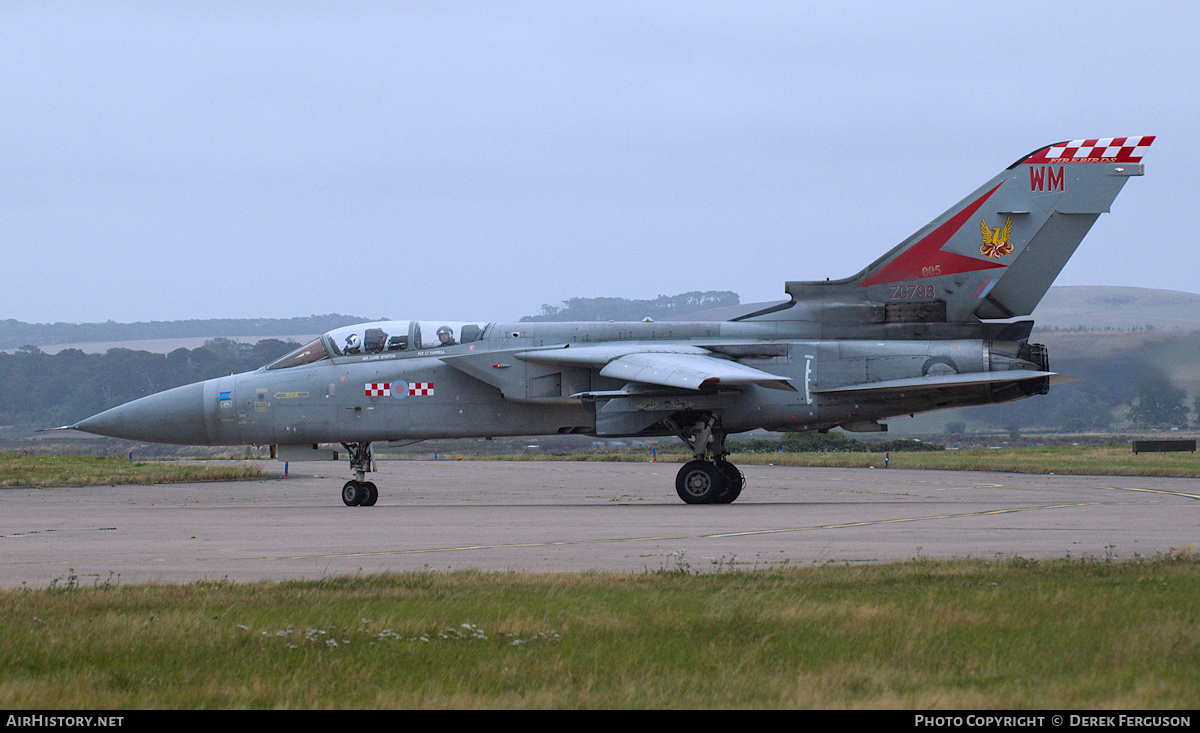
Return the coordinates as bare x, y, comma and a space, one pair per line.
474, 160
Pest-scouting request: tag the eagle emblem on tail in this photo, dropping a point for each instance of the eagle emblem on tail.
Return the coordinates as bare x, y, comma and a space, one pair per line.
996, 242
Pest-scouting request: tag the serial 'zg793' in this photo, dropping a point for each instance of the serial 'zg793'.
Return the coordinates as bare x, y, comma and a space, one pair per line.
934, 323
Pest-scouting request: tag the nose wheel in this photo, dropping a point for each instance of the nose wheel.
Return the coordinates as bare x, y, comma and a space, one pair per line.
360, 493
356, 491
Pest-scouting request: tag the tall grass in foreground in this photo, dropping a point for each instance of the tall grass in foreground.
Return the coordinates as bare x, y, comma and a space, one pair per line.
923, 634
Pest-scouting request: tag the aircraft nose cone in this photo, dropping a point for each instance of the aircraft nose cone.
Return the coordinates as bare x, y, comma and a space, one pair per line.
174, 416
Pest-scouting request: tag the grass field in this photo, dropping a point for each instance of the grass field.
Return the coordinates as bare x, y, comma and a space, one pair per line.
1016, 633
1115, 460
1078, 634
35, 471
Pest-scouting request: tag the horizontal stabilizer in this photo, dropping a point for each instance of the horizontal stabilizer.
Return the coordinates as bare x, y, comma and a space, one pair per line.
945, 381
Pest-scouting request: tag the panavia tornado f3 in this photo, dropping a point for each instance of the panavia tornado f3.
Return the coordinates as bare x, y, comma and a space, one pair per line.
932, 324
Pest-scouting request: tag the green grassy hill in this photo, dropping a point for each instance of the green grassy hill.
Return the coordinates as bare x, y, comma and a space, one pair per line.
1092, 306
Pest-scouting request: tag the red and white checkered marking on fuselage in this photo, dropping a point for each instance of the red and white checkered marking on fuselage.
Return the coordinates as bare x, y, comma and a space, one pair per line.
1096, 150
412, 389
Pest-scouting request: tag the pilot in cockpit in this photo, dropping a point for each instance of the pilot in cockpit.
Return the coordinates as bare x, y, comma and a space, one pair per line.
445, 336
352, 344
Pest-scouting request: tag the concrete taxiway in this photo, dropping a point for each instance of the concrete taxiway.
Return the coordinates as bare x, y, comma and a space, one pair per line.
574, 516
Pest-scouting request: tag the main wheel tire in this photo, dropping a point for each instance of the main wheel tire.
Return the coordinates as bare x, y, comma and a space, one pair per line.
372, 494
352, 493
734, 482
700, 482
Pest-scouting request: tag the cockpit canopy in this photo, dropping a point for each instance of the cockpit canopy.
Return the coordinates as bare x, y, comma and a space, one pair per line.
369, 338
395, 338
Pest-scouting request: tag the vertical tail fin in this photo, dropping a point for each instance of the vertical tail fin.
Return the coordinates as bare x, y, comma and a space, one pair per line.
996, 252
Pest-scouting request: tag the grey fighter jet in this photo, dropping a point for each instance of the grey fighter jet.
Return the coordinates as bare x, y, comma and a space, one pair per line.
934, 323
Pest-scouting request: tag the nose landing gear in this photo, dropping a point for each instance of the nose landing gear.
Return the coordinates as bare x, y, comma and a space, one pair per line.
357, 492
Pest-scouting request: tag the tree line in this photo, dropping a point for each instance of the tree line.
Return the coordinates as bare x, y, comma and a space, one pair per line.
40, 390
14, 334
625, 309
1133, 386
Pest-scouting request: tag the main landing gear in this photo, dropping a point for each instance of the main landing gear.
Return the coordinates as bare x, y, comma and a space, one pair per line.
358, 492
710, 478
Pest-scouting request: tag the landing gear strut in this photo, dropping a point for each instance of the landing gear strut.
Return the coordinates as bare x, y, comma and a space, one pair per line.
710, 478
358, 492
